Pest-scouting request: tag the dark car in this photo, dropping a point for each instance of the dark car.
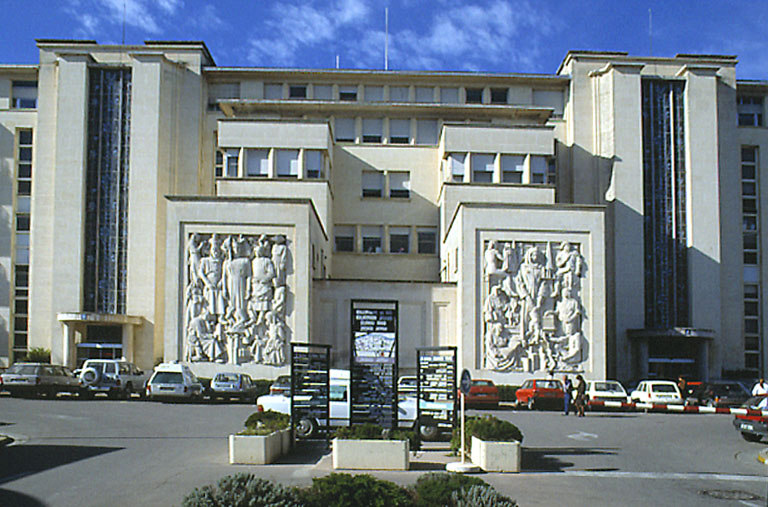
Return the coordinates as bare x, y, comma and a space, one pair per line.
718, 394
537, 392
37, 379
754, 425
482, 394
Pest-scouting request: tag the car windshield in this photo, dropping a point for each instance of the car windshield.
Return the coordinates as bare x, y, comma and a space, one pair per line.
168, 377
482, 383
548, 384
100, 366
611, 387
662, 388
224, 377
22, 369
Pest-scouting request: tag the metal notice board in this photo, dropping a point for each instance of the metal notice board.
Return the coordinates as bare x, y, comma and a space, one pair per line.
310, 385
436, 387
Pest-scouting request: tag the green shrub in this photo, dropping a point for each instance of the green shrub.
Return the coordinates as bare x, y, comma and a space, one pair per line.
37, 355
488, 428
263, 423
371, 431
436, 488
242, 490
345, 490
480, 496
507, 393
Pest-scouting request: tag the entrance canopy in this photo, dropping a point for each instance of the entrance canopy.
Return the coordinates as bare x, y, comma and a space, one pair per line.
89, 335
669, 353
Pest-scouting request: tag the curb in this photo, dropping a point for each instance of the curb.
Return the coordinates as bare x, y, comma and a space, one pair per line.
762, 456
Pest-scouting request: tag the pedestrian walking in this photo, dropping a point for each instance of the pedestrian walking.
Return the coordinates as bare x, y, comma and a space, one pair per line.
567, 388
760, 388
581, 395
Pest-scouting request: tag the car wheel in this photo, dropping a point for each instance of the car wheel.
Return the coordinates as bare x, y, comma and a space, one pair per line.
306, 428
429, 432
531, 404
750, 437
128, 393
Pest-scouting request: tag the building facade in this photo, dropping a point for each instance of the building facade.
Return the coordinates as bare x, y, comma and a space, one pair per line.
604, 219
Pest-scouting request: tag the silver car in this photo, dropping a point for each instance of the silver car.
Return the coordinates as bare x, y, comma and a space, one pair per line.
113, 377
233, 385
38, 379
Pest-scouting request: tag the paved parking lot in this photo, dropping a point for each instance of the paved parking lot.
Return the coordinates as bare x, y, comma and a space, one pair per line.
103, 452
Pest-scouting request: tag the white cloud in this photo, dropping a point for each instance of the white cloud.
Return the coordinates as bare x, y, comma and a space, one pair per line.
146, 15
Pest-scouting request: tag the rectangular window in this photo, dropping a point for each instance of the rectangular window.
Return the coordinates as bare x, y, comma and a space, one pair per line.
322, 92
373, 184
21, 276
426, 132
231, 156
24, 187
512, 168
427, 239
750, 109
314, 161
273, 91
499, 95
24, 94
474, 96
425, 94
457, 166
297, 91
400, 184
287, 163
539, 168
374, 93
372, 239
218, 164
22, 222
449, 95
482, 167
344, 238
344, 129
373, 130
399, 94
399, 239
551, 170
399, 131
258, 163
348, 93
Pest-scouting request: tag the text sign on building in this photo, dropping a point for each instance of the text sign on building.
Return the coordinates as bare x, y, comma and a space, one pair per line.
310, 386
373, 362
436, 386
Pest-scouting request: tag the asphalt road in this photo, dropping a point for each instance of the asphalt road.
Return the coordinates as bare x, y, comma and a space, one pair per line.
115, 453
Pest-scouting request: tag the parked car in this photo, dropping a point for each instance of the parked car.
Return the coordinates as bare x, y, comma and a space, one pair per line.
233, 386
281, 385
537, 392
606, 390
657, 391
406, 386
37, 379
174, 381
482, 394
339, 408
753, 428
113, 377
722, 393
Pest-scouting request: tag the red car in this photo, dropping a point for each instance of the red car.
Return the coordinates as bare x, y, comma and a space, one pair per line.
536, 392
753, 426
482, 394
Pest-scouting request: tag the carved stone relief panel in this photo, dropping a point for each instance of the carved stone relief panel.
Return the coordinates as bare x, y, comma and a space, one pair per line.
532, 307
235, 298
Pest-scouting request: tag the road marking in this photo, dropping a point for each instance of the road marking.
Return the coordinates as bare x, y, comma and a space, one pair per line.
661, 475
582, 436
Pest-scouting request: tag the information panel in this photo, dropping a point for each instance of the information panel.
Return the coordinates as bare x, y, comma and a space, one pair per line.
373, 363
436, 387
310, 389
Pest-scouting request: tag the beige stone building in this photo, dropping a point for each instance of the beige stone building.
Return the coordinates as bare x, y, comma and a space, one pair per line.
604, 219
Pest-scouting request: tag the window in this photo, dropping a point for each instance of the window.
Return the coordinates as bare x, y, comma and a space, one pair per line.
425, 94
551, 170
273, 91
512, 168
348, 93
474, 95
287, 163
344, 238
399, 131
345, 130
231, 156
373, 184
399, 239
22, 222
482, 167
539, 169
258, 163
456, 165
449, 95
314, 161
399, 94
400, 184
24, 187
373, 130
374, 93
297, 91
24, 94
218, 164
322, 92
426, 132
751, 250
499, 95
372, 239
21, 278
427, 239
750, 110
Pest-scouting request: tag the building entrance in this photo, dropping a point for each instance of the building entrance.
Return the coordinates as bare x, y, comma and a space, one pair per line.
101, 342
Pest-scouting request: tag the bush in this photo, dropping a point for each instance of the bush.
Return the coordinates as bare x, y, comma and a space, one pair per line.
38, 355
507, 393
437, 488
242, 490
345, 490
371, 431
480, 496
487, 428
264, 423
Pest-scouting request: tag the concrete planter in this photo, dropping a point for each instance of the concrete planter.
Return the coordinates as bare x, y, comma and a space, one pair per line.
370, 454
496, 456
258, 449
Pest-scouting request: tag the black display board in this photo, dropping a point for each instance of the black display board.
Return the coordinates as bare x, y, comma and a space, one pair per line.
310, 386
373, 363
436, 387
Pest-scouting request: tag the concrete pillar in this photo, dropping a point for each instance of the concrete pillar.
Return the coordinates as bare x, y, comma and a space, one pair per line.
128, 336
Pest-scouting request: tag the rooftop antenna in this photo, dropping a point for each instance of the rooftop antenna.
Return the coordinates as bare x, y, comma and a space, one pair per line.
122, 41
386, 38
650, 32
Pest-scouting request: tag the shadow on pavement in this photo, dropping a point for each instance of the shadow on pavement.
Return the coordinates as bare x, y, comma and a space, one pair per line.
305, 453
22, 460
548, 459
18, 499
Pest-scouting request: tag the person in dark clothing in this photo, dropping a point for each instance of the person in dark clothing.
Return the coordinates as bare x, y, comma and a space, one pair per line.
581, 395
567, 387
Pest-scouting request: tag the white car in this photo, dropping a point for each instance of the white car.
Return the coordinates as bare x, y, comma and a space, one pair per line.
606, 390
339, 408
657, 391
174, 381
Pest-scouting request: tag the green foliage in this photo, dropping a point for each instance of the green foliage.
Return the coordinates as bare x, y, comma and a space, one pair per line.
487, 428
262, 423
38, 355
507, 393
480, 496
436, 488
242, 490
262, 386
345, 490
371, 431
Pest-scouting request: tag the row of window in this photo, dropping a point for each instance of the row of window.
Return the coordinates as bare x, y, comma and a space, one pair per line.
751, 253
392, 239
23, 94
270, 163
385, 131
392, 184
499, 168
22, 229
750, 110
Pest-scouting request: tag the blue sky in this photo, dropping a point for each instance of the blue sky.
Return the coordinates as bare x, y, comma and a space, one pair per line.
475, 35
